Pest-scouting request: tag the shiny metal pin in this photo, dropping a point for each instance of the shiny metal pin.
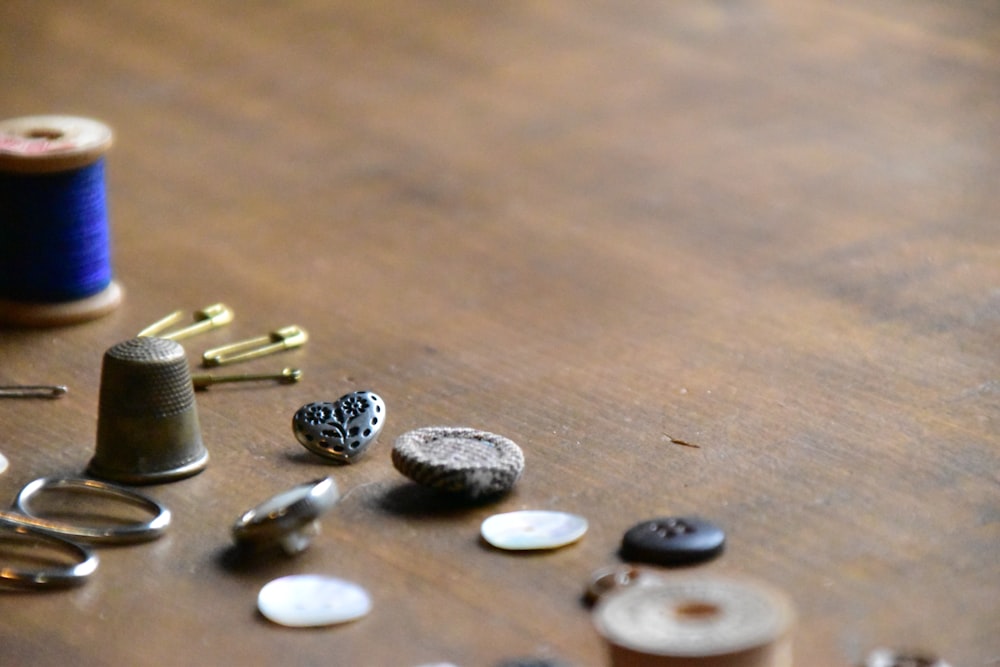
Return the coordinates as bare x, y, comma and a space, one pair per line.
207, 318
286, 376
284, 338
34, 391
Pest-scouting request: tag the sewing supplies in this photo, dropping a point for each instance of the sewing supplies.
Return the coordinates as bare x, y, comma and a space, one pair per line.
289, 520
285, 376
533, 530
463, 461
4, 463
341, 431
612, 578
696, 621
673, 541
48, 553
26, 514
34, 391
26, 533
284, 338
147, 425
206, 319
55, 257
312, 600
218, 315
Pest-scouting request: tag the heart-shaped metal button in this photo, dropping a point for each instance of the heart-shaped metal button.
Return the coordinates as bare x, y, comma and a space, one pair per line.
340, 431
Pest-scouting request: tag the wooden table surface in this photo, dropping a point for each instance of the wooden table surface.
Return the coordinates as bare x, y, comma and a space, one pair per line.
768, 228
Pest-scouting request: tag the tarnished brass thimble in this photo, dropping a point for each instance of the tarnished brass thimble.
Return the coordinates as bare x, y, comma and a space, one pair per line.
147, 423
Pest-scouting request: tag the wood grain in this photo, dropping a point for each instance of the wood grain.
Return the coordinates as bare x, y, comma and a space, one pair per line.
769, 228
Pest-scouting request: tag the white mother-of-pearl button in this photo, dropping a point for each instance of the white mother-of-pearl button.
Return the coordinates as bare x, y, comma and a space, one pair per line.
3, 463
309, 600
533, 529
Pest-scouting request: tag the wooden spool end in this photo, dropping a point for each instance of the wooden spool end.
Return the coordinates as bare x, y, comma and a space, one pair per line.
26, 314
47, 144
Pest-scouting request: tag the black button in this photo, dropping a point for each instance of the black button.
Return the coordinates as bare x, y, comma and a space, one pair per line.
673, 541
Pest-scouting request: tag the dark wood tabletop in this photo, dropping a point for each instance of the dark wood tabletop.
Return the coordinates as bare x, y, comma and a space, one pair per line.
767, 229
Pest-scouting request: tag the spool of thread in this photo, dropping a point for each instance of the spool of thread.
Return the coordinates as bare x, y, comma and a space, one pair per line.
55, 255
697, 621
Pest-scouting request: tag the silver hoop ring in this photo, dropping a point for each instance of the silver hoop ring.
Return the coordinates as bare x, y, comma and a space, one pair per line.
71, 575
139, 531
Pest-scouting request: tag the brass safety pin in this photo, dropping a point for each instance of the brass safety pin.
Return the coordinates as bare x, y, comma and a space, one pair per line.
284, 338
207, 318
285, 376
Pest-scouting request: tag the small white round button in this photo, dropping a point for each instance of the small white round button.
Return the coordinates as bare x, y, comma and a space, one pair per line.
533, 529
3, 464
310, 600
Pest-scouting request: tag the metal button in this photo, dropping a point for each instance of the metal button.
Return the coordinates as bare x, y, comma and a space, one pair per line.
673, 541
340, 431
289, 520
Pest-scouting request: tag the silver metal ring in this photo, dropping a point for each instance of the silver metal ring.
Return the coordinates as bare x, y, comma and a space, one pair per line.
46, 577
288, 519
113, 534
613, 578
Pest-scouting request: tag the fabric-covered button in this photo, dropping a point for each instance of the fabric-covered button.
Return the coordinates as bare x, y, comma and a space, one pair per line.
340, 431
309, 600
533, 529
673, 541
464, 461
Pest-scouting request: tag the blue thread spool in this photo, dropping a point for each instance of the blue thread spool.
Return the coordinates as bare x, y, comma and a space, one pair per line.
55, 257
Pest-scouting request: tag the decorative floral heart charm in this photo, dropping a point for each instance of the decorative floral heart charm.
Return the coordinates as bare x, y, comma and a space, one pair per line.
340, 431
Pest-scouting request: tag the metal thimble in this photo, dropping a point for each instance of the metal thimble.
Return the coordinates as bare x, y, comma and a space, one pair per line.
147, 423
